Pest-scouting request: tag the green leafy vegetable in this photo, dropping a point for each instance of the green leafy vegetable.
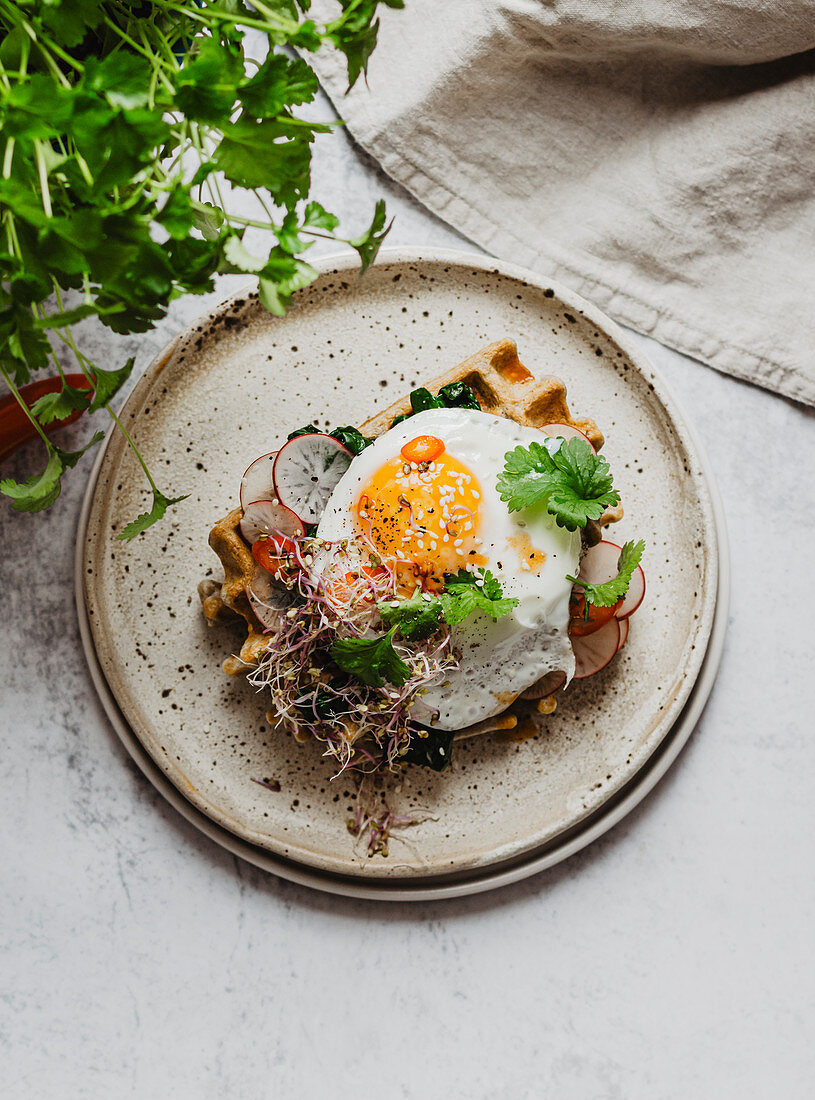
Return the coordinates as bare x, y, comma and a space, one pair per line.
608, 593
466, 592
422, 399
371, 660
307, 429
431, 749
458, 395
140, 524
41, 490
572, 483
108, 383
115, 121
60, 405
368, 245
352, 438
455, 395
417, 617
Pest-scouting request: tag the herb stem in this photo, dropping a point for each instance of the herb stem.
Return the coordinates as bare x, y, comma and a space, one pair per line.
18, 397
42, 172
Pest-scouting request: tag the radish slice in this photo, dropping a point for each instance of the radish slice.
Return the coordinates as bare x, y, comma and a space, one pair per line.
594, 651
565, 431
599, 563
547, 685
257, 482
624, 628
634, 596
269, 600
306, 472
267, 517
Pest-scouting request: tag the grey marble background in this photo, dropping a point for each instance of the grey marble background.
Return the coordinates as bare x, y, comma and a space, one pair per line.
673, 958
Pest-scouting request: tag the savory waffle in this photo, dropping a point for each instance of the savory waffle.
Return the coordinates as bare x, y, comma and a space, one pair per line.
503, 386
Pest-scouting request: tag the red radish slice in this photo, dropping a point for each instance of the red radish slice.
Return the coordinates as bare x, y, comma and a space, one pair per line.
624, 628
565, 431
306, 472
547, 685
599, 563
269, 600
594, 651
634, 596
267, 517
257, 482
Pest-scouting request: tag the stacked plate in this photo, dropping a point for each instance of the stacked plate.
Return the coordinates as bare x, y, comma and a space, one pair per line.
230, 388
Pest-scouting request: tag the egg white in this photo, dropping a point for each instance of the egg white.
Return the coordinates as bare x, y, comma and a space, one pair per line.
498, 660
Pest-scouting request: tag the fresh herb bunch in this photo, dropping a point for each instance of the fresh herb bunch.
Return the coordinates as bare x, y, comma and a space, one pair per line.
117, 121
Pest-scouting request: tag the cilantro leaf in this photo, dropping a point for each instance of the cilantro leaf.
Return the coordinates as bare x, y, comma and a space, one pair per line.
38, 491
108, 383
60, 405
417, 618
573, 483
370, 242
607, 594
41, 490
140, 524
466, 592
317, 217
371, 660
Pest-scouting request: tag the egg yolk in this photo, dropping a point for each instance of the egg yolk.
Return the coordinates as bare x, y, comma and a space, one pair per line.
423, 512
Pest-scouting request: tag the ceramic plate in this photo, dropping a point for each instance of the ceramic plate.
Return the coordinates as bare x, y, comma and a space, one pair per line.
236, 382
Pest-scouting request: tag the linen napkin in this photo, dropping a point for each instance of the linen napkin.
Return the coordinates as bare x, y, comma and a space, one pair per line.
658, 156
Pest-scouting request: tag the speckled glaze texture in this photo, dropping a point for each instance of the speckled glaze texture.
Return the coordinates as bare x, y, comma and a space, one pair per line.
231, 387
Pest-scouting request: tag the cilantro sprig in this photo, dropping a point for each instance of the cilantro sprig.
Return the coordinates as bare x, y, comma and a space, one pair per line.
464, 593
572, 483
119, 124
371, 660
608, 593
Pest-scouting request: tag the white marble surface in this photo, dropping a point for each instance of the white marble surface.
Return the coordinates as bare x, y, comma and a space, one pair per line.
673, 958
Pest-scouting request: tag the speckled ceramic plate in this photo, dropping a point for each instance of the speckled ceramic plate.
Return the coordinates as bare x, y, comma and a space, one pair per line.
226, 390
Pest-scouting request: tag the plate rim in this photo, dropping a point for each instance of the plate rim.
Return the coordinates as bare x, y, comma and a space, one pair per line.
556, 848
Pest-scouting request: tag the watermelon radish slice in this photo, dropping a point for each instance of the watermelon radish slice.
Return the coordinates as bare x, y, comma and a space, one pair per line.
306, 472
257, 482
634, 596
593, 652
624, 628
565, 431
269, 517
547, 685
269, 600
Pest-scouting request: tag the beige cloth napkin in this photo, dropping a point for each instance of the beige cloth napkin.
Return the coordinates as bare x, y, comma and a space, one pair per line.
656, 155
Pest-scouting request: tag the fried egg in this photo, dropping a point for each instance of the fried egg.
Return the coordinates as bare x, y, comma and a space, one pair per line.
424, 496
